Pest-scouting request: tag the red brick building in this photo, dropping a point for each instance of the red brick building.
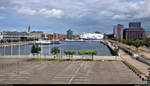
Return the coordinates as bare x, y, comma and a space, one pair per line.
134, 33
118, 31
61, 36
56, 36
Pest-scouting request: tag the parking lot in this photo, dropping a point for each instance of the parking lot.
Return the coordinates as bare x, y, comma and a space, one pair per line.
66, 72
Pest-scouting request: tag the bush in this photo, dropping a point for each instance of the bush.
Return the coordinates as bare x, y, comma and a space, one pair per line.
55, 50
35, 49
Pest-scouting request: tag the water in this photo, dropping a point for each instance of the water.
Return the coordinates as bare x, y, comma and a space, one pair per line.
102, 49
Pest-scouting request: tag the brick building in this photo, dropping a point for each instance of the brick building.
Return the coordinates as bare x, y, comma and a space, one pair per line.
118, 31
134, 32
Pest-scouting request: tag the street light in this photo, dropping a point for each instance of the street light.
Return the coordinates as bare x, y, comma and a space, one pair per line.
4, 50
19, 48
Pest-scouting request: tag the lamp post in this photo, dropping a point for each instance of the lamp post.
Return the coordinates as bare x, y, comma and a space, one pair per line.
4, 50
11, 46
19, 48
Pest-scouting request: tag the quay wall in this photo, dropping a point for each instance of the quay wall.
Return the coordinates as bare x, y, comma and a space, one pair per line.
16, 43
64, 57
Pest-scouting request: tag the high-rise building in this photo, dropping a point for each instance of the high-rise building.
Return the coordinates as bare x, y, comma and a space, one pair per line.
69, 34
118, 31
134, 24
134, 31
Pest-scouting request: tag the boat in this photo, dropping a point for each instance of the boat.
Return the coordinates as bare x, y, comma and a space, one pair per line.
92, 36
43, 42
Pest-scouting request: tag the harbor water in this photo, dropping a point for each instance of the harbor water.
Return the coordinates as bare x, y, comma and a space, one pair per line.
102, 49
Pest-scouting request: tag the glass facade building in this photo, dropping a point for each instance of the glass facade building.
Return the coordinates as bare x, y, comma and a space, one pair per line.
69, 34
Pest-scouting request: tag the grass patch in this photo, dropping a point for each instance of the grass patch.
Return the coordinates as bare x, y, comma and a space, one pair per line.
133, 68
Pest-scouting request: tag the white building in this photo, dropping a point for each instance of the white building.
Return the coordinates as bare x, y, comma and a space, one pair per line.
1, 36
92, 36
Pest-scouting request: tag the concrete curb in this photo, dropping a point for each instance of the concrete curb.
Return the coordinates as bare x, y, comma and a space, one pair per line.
141, 76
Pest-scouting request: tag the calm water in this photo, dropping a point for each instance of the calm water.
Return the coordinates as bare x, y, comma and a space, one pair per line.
26, 49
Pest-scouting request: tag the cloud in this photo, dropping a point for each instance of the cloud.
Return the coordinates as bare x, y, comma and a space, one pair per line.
78, 13
51, 13
120, 17
26, 11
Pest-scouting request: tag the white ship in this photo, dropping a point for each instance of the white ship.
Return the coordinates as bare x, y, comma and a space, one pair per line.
92, 36
43, 42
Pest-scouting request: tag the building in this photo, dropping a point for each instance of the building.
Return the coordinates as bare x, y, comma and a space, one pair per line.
29, 29
92, 36
134, 24
69, 34
57, 36
148, 34
38, 34
1, 36
118, 31
14, 35
76, 37
134, 32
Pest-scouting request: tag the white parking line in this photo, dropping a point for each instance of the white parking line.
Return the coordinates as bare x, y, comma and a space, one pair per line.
75, 73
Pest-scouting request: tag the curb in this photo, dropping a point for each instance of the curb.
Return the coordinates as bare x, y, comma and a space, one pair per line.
141, 76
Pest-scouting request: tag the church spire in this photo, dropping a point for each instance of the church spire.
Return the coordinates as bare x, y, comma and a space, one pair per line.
29, 30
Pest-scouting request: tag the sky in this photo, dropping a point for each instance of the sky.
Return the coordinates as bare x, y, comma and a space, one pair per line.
79, 15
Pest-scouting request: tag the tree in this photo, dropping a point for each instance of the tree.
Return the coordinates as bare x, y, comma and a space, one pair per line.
147, 42
137, 43
55, 51
81, 53
92, 53
35, 49
116, 50
70, 53
87, 53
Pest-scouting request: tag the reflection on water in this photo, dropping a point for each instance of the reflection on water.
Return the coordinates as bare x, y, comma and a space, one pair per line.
26, 49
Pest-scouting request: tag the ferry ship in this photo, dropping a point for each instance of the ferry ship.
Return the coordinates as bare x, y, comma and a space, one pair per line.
92, 36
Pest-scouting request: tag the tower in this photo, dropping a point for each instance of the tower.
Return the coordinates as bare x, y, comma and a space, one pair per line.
29, 29
70, 34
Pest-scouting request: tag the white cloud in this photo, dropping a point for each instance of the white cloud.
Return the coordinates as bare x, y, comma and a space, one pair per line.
51, 13
120, 17
2, 8
26, 11
106, 13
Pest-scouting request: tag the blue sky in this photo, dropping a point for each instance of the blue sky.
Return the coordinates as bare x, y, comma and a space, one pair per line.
78, 15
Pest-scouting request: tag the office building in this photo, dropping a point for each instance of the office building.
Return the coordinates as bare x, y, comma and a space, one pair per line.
14, 35
69, 34
134, 24
118, 31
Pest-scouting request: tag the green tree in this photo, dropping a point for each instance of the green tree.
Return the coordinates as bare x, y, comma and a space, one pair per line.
87, 53
70, 53
35, 49
137, 43
147, 42
92, 53
116, 50
55, 51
